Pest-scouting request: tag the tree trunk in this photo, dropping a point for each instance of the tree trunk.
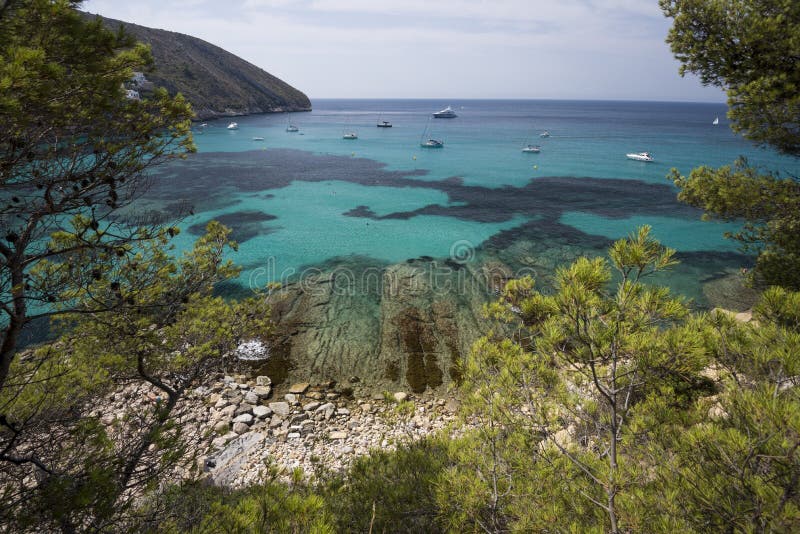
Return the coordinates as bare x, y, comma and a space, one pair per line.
15, 323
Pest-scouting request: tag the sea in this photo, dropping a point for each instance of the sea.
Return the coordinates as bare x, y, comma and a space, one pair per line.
302, 202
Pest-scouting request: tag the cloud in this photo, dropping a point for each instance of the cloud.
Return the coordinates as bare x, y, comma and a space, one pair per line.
419, 48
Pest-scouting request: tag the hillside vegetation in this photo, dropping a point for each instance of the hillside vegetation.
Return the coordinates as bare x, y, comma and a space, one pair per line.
214, 81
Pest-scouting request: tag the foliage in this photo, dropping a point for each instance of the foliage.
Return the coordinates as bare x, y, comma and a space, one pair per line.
166, 339
272, 506
751, 48
385, 491
558, 405
770, 207
391, 491
736, 466
74, 152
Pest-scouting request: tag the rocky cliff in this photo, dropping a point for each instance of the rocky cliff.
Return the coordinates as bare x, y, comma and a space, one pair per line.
216, 82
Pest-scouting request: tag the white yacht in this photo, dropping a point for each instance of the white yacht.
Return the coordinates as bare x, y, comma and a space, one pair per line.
715, 121
258, 139
641, 156
350, 135
292, 128
544, 134
533, 149
446, 113
233, 126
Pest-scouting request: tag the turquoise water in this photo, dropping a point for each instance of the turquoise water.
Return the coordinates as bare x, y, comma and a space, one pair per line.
298, 200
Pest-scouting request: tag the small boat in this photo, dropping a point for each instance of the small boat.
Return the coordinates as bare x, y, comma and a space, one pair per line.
258, 139
716, 121
544, 134
384, 124
204, 125
350, 135
432, 143
233, 126
532, 149
446, 113
641, 156
292, 128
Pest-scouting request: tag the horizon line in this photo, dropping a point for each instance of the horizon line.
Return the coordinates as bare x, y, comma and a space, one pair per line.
524, 99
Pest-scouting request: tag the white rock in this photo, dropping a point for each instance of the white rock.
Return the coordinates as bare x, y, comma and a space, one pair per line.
311, 406
243, 418
263, 381
337, 435
280, 408
251, 397
261, 411
400, 396
262, 391
240, 428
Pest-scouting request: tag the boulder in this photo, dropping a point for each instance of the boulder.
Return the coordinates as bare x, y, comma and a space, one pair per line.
243, 418
262, 391
311, 406
251, 397
227, 464
263, 381
337, 434
328, 409
240, 428
261, 412
280, 408
400, 396
299, 389
243, 408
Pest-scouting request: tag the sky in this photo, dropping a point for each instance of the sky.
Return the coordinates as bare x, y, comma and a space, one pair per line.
557, 49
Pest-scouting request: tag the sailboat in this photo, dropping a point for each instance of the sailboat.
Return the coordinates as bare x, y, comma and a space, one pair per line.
716, 121
429, 142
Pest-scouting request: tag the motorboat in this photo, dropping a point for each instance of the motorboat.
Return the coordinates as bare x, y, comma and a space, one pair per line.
532, 149
350, 135
641, 156
384, 124
715, 121
544, 134
292, 128
258, 139
446, 113
233, 126
432, 143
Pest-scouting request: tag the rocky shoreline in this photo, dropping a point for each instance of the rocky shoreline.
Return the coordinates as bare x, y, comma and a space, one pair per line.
240, 431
